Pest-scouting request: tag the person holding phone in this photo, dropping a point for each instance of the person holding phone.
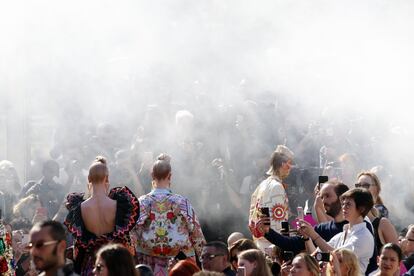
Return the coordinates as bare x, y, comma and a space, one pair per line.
330, 194
356, 203
271, 193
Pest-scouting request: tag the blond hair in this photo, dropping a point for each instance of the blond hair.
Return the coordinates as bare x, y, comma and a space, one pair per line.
98, 170
377, 183
349, 259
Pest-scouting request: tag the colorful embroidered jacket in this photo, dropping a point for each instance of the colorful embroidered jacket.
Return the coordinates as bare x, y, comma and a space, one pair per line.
167, 225
270, 193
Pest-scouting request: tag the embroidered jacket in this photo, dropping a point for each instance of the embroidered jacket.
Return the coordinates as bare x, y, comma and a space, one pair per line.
270, 193
167, 225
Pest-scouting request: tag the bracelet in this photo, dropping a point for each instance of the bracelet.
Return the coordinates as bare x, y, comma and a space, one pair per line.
316, 238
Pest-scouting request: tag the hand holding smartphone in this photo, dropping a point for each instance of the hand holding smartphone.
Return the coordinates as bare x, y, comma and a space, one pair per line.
301, 214
322, 179
241, 271
266, 214
287, 256
323, 256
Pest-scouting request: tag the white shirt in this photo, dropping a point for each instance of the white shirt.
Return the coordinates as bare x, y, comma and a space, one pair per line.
359, 240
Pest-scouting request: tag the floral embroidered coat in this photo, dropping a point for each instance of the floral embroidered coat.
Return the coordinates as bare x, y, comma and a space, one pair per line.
167, 225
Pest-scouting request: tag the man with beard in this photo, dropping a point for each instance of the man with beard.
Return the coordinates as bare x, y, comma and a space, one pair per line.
47, 247
329, 194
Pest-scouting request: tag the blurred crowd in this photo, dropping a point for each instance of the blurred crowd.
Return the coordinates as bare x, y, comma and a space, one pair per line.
219, 156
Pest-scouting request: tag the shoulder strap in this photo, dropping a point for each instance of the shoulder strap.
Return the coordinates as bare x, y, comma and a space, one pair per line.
375, 224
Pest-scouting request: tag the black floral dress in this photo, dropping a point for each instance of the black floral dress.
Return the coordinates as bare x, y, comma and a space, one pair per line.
86, 244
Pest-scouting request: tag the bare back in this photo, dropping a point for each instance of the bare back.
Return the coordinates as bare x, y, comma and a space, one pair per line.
98, 215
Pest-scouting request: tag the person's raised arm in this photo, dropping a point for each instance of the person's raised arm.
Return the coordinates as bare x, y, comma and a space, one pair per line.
307, 230
320, 213
295, 244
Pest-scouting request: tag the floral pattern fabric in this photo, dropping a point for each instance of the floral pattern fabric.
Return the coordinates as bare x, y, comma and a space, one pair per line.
167, 225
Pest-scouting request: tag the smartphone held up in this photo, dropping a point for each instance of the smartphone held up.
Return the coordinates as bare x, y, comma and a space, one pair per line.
265, 213
322, 179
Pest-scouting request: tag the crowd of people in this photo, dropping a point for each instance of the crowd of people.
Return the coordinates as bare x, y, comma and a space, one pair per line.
111, 231
211, 207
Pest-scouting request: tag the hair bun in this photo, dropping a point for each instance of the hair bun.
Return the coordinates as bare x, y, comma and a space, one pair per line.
164, 157
100, 159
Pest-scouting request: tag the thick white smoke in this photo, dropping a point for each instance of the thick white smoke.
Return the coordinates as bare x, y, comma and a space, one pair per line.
107, 60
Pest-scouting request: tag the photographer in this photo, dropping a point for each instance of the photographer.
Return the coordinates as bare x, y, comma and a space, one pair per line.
329, 194
356, 203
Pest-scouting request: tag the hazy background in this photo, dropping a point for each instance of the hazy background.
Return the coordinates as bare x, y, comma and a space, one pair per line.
70, 63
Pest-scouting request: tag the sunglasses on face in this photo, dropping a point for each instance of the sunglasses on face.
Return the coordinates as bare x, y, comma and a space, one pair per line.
209, 257
40, 244
362, 185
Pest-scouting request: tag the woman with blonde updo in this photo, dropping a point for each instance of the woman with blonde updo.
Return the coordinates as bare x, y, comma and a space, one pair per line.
105, 216
168, 223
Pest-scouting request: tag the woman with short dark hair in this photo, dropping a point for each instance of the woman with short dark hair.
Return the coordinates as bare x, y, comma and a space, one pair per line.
356, 203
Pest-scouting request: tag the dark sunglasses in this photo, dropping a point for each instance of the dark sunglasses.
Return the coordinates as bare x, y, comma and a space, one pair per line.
209, 257
362, 185
40, 244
